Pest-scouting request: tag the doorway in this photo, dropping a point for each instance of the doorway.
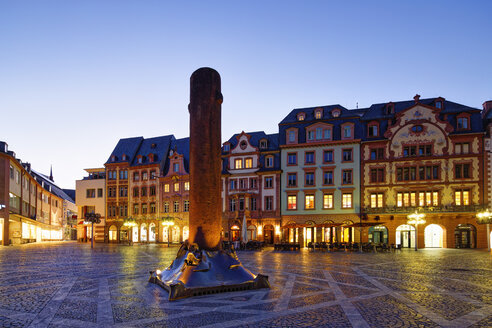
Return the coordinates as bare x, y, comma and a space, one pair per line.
268, 234
433, 236
405, 236
465, 236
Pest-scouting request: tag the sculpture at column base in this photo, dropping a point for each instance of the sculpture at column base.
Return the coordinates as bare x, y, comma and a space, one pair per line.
197, 272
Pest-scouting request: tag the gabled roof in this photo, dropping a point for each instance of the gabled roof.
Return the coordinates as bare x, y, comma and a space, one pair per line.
255, 138
309, 111
377, 111
54, 188
159, 146
182, 147
126, 146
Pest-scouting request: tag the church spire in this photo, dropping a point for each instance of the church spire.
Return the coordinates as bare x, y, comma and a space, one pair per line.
51, 174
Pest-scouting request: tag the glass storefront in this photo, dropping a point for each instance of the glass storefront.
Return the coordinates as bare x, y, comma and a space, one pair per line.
465, 236
113, 233
405, 236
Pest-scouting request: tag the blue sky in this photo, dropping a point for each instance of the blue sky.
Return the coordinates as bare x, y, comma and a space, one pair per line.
76, 76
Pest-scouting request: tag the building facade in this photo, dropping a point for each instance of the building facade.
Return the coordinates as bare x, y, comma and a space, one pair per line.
91, 198
423, 156
251, 187
32, 206
320, 162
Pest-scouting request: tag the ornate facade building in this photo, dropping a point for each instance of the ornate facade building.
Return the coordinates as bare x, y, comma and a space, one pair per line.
32, 207
251, 187
320, 174
423, 156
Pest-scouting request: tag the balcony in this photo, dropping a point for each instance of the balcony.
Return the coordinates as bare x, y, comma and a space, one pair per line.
427, 209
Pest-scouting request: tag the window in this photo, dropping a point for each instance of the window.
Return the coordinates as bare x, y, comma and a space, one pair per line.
176, 187
139, 159
166, 207
346, 200
152, 208
409, 151
347, 155
292, 179
462, 171
376, 200
318, 114
328, 156
310, 135
292, 136
377, 175
372, 130
428, 172
425, 150
263, 144
347, 132
175, 167
301, 117
462, 197
145, 176
327, 201
152, 175
144, 191
462, 148
232, 205
91, 193
111, 191
176, 206
327, 133
166, 187
186, 206
252, 183
463, 123
152, 190
136, 176
144, 208
328, 177
248, 163
292, 159
291, 202
268, 182
187, 186
417, 128
439, 104
309, 157
238, 163
123, 191
309, 202
421, 199
241, 203
243, 183
309, 179
377, 153
135, 208
232, 184
99, 192
269, 161
11, 172
346, 176
253, 204
268, 203
123, 210
319, 133
123, 175
226, 147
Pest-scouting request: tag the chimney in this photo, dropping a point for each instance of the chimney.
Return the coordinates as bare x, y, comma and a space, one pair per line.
416, 98
487, 106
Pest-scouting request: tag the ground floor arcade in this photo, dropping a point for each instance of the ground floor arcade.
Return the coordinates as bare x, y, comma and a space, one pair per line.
17, 229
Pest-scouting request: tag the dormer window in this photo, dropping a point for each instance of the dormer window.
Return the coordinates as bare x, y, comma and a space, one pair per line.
318, 113
373, 129
226, 147
113, 158
269, 161
123, 157
176, 167
301, 117
348, 131
139, 159
291, 136
335, 113
390, 108
243, 144
463, 123
151, 157
153, 146
263, 144
439, 104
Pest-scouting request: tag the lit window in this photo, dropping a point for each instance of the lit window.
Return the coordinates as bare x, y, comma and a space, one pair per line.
238, 163
462, 197
292, 202
318, 114
346, 200
327, 201
166, 207
300, 117
376, 200
309, 201
176, 187
176, 206
187, 186
248, 163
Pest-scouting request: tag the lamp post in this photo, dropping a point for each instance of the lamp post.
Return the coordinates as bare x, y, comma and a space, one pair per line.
92, 218
130, 223
168, 222
485, 217
416, 219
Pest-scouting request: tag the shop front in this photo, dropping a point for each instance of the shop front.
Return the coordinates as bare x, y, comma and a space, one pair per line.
465, 236
378, 234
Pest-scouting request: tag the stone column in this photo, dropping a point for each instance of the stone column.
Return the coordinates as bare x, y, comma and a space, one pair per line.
205, 158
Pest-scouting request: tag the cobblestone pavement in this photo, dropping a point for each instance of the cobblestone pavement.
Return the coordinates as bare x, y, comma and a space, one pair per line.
70, 285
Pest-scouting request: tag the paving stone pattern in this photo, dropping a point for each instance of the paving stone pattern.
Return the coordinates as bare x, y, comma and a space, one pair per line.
69, 285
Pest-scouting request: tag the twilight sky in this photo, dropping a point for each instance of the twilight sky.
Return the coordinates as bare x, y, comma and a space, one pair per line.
76, 76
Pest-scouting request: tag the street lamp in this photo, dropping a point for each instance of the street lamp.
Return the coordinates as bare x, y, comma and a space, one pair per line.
416, 219
168, 222
130, 223
485, 217
92, 218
